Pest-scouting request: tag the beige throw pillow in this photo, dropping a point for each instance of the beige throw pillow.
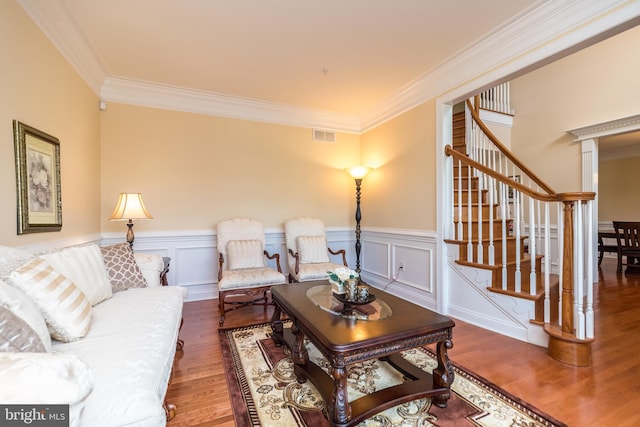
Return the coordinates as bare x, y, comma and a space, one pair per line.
312, 249
245, 254
122, 269
65, 308
84, 266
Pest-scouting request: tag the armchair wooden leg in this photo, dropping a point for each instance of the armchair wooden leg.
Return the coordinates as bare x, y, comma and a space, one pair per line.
221, 307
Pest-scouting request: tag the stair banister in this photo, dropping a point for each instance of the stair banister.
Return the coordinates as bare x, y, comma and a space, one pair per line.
504, 150
575, 312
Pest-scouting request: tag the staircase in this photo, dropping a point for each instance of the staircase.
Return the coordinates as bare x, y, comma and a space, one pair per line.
502, 230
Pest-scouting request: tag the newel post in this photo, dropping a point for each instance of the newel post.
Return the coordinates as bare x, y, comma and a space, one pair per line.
567, 269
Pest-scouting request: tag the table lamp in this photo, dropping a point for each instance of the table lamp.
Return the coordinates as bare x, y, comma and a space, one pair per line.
130, 207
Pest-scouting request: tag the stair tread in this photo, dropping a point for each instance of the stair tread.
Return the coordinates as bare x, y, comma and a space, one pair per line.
556, 331
524, 260
484, 240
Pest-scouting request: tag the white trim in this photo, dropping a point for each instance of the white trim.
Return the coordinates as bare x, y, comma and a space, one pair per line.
588, 136
612, 127
148, 94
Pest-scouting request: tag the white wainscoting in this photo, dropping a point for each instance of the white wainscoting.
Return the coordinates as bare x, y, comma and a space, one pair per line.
194, 255
383, 253
194, 258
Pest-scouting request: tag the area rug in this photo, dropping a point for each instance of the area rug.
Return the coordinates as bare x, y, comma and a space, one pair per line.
264, 390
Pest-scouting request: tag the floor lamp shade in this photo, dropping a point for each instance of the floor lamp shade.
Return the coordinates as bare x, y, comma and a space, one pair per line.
129, 207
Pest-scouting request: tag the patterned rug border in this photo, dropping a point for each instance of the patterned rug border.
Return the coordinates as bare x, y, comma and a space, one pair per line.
236, 380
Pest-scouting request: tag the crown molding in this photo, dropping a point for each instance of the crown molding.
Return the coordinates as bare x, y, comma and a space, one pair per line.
57, 23
613, 127
548, 28
148, 94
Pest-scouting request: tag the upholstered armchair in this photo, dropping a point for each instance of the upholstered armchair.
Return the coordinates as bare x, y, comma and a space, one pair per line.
307, 250
242, 265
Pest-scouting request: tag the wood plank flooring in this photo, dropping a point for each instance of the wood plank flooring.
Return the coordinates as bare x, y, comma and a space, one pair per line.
605, 394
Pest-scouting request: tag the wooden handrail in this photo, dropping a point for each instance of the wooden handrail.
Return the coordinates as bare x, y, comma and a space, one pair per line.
507, 153
449, 151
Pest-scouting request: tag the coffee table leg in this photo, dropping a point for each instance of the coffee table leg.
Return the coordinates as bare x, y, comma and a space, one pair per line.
276, 326
443, 374
339, 407
299, 353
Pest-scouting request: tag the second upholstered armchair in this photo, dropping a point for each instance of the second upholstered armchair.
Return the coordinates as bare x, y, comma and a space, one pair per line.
307, 252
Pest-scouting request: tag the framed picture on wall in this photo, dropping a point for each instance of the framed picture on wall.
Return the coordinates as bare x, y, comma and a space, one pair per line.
38, 180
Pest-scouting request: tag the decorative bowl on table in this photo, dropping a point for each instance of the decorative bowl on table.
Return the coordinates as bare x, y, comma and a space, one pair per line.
357, 301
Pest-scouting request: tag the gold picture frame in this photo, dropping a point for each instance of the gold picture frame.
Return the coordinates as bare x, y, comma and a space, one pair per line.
38, 180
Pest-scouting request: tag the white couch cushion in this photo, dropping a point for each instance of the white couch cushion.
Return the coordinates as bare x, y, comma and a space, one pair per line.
314, 271
45, 378
24, 307
130, 349
84, 266
65, 308
312, 249
250, 278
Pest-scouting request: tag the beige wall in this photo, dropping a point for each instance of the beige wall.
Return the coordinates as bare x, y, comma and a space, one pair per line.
618, 196
194, 170
595, 85
401, 191
40, 89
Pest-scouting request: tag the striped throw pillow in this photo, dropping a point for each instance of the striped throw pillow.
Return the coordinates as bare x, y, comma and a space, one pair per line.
64, 307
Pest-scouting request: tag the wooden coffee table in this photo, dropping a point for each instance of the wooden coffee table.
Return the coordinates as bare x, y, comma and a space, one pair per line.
345, 340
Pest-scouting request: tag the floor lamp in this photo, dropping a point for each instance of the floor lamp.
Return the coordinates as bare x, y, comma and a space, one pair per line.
130, 207
358, 173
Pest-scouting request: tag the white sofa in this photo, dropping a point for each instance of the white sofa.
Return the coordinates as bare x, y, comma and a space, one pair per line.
88, 327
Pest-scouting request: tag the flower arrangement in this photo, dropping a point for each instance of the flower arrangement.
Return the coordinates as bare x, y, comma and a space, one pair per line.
339, 277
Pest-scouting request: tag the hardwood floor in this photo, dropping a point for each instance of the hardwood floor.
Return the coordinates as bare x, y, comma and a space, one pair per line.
605, 394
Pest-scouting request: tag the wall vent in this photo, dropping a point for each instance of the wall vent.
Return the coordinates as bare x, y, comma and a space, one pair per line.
324, 136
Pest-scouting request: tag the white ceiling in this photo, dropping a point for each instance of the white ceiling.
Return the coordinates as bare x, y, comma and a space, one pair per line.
346, 62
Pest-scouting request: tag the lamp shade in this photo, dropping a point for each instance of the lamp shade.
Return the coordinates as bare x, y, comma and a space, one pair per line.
358, 172
130, 206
